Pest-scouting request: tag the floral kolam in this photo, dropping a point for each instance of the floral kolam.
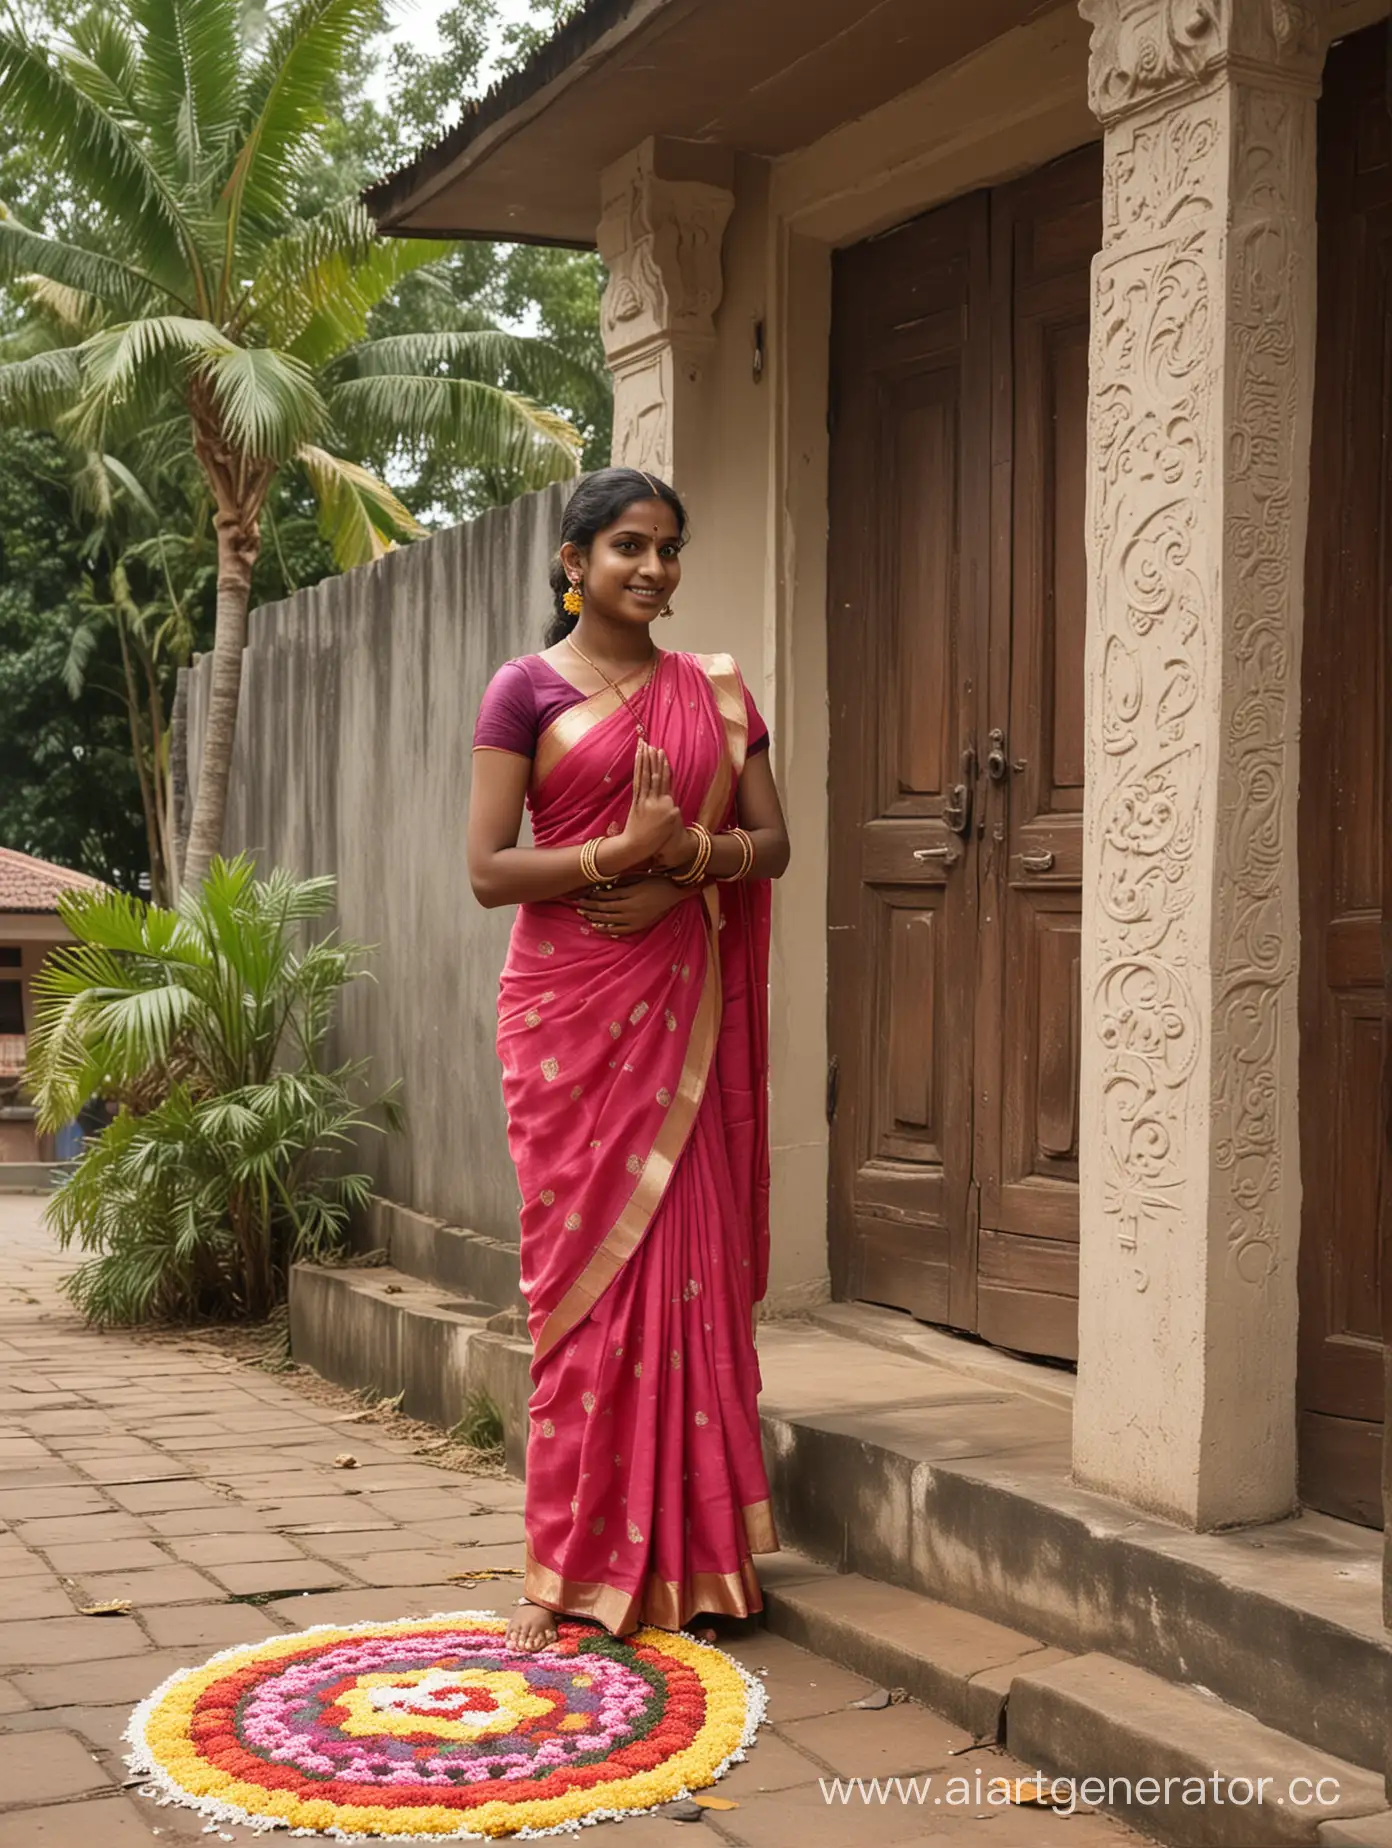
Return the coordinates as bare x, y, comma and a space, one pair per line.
434, 1729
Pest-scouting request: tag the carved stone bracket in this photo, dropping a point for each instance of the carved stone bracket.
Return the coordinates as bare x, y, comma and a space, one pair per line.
1145, 49
1201, 372
660, 238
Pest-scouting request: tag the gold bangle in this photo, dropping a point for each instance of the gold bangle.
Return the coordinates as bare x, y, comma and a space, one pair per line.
589, 861
696, 872
746, 857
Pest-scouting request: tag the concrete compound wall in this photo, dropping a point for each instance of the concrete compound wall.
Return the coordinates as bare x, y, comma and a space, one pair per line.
353, 758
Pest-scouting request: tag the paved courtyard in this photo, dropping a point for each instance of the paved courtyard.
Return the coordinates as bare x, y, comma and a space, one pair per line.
203, 1490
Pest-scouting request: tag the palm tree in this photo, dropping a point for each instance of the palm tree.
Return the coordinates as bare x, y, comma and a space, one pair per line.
210, 1024
186, 135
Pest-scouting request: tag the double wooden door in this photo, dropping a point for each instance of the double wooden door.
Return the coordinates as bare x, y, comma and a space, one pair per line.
1345, 831
956, 623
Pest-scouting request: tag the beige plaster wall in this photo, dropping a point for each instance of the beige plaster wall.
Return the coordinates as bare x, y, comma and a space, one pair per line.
755, 575
730, 600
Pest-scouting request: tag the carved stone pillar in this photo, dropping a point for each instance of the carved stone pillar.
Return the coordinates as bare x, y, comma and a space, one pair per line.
1202, 363
664, 215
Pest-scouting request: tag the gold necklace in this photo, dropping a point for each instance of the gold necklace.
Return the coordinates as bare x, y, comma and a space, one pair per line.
614, 686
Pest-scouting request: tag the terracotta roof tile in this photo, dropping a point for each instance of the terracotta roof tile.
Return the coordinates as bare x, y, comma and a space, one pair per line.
27, 884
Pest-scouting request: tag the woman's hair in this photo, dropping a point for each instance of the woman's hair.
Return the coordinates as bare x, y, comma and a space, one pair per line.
595, 504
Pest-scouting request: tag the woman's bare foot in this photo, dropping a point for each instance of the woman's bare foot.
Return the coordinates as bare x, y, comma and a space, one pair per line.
701, 1630
532, 1628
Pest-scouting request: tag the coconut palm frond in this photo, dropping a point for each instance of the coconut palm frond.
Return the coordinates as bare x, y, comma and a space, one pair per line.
482, 425
23, 253
190, 75
491, 354
358, 514
267, 401
101, 156
35, 392
343, 290
103, 60
285, 101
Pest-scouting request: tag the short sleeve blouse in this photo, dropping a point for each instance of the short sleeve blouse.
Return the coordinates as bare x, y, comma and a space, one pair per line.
527, 694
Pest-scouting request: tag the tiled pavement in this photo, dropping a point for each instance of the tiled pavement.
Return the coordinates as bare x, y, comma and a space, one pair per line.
192, 1485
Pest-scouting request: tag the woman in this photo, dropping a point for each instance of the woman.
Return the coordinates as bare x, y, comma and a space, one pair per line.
632, 1034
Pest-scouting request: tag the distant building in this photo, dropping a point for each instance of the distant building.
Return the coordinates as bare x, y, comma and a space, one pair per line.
29, 928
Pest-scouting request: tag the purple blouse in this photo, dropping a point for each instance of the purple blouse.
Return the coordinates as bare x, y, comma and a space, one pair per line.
527, 694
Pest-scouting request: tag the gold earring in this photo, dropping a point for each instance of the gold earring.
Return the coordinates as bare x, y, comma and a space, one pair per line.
573, 601
666, 610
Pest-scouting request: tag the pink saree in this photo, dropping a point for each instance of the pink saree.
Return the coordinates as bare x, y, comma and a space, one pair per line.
634, 1079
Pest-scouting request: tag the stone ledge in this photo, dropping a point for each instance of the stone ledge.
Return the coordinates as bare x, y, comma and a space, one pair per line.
911, 1474
1093, 1716
39, 1177
454, 1257
381, 1330
1361, 1832
958, 1664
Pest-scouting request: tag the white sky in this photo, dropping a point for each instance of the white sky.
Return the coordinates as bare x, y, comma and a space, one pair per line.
415, 19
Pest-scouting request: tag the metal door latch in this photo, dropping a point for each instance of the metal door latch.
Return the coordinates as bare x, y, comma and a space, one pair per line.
957, 804
1037, 862
949, 854
997, 762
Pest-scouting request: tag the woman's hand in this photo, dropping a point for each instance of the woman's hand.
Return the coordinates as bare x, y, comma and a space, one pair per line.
679, 851
654, 827
630, 908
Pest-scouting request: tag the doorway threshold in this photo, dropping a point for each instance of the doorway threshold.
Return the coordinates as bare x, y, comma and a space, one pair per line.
894, 1331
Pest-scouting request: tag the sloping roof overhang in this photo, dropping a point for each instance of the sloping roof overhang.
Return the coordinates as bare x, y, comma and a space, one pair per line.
760, 77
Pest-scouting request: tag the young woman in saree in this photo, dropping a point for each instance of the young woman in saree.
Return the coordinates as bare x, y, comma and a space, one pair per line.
633, 1039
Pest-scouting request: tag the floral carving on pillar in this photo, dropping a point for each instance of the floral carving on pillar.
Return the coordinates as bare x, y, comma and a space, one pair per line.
1200, 354
660, 239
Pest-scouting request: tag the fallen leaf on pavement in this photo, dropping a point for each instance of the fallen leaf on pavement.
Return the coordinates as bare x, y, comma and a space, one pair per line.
482, 1573
1031, 1790
874, 1700
110, 1607
721, 1803
345, 1460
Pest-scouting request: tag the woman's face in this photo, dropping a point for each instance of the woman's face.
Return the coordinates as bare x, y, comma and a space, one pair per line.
633, 566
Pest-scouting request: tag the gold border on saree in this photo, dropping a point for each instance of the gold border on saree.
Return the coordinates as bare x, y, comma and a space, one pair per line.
625, 1236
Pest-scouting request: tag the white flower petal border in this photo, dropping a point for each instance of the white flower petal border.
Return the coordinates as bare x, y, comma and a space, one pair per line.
165, 1789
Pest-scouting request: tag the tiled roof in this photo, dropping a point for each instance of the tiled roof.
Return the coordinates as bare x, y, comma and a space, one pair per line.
27, 884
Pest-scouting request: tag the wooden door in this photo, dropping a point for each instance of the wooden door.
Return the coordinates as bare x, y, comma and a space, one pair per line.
908, 598
956, 611
1045, 231
1345, 859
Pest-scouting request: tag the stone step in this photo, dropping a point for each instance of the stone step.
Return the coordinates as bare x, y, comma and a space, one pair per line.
914, 1475
1178, 1762
32, 1176
1079, 1717
379, 1330
469, 1263
958, 1664
909, 1472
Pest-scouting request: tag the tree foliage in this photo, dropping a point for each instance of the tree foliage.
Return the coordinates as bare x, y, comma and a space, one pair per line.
201, 281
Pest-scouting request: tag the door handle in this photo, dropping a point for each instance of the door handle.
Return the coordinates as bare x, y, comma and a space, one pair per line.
949, 854
957, 804
1037, 862
997, 763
